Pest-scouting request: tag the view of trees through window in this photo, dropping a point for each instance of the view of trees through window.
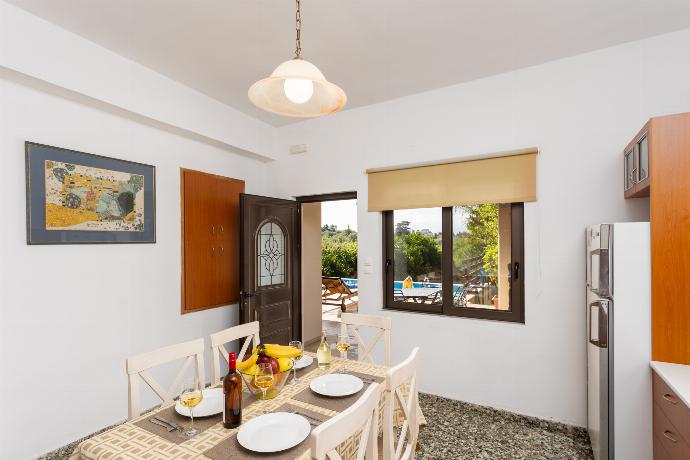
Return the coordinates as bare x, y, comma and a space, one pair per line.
475, 255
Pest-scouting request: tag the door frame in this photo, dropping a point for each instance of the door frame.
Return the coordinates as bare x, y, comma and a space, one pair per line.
296, 248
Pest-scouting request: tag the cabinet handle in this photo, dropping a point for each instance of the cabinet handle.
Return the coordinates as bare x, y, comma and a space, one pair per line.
668, 435
670, 399
213, 251
221, 229
222, 250
213, 229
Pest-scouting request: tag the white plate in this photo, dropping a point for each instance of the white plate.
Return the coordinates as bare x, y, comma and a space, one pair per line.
212, 404
304, 362
273, 432
336, 385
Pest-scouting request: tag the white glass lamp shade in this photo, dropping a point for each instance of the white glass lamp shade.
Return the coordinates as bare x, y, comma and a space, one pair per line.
297, 88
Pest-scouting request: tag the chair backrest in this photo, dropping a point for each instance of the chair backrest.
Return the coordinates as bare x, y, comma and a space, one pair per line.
402, 376
335, 285
219, 339
351, 322
362, 415
138, 366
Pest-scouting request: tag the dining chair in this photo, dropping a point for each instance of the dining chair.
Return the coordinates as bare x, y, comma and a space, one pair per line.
139, 365
248, 331
362, 416
352, 321
402, 376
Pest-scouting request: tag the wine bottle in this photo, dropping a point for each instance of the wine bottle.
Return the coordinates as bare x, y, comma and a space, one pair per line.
323, 353
232, 389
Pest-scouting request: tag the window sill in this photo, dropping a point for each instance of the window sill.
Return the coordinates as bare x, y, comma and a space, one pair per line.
476, 314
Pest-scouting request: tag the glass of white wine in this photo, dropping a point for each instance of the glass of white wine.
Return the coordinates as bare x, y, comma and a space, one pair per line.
297, 344
343, 345
264, 378
190, 397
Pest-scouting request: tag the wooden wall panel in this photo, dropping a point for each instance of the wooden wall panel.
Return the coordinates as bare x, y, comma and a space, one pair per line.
210, 240
670, 233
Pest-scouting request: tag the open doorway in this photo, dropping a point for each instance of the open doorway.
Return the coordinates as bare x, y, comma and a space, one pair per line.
329, 262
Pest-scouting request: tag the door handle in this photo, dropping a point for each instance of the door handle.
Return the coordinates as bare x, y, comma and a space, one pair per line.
389, 262
602, 334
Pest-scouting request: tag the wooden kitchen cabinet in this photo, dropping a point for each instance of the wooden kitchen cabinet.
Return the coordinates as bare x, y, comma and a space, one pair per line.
210, 240
671, 422
636, 165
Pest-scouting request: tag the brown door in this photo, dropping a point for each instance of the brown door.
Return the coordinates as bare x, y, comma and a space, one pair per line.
269, 261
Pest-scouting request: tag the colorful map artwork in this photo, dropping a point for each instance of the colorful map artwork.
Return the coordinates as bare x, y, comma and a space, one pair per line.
93, 199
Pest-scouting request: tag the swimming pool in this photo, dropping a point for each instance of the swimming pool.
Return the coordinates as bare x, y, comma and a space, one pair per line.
353, 283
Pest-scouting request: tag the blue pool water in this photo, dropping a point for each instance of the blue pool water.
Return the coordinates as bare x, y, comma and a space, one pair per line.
353, 283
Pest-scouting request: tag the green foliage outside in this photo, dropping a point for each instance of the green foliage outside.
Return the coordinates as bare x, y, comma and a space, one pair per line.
416, 253
338, 252
480, 239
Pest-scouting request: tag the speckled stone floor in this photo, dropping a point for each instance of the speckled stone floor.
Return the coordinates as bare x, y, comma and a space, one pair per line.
458, 430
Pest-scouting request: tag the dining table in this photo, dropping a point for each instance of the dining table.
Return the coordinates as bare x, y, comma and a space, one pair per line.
140, 438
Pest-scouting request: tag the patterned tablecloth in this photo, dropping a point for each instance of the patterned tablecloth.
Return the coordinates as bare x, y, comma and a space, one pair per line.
128, 441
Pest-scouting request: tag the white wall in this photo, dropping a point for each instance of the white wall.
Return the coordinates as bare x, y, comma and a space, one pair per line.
580, 112
311, 272
71, 314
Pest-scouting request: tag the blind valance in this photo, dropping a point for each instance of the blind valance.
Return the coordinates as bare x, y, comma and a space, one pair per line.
504, 178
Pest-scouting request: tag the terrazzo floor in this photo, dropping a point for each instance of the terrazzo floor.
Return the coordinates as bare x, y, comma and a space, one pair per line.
458, 430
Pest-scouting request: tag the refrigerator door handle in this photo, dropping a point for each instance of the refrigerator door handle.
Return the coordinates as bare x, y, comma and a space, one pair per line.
602, 324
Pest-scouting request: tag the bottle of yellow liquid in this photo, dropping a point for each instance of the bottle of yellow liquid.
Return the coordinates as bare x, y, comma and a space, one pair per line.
323, 353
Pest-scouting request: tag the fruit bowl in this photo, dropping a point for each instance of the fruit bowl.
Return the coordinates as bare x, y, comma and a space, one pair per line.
279, 379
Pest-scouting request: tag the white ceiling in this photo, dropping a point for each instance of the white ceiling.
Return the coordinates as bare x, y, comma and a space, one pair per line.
374, 49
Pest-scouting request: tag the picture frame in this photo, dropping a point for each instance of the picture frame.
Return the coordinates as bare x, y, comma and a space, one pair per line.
75, 197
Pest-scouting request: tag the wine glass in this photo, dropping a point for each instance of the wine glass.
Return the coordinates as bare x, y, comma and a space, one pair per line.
343, 345
190, 397
297, 344
264, 378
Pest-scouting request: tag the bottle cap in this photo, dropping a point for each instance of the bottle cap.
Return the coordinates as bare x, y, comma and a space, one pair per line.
232, 361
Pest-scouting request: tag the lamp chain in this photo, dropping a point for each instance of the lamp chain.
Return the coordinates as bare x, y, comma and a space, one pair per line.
298, 28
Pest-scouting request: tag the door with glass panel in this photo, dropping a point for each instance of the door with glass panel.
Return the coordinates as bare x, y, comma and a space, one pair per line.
269, 261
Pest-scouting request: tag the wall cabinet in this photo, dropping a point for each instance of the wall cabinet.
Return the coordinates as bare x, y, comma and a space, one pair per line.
661, 169
636, 165
210, 240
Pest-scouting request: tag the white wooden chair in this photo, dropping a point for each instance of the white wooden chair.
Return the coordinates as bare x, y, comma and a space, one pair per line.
352, 321
249, 332
405, 373
362, 415
138, 366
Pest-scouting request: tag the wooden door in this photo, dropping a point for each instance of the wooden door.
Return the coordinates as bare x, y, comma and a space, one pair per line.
269, 261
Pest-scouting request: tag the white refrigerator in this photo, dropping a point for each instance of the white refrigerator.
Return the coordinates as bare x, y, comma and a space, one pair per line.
619, 341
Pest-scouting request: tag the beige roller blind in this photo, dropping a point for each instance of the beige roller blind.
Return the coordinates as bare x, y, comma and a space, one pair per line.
503, 179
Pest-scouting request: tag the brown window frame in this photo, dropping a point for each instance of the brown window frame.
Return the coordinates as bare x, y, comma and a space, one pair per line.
516, 313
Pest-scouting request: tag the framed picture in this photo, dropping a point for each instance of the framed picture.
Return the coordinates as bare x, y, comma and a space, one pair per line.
75, 197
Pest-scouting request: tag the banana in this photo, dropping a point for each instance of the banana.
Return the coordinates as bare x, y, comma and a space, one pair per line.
247, 363
284, 364
251, 370
277, 351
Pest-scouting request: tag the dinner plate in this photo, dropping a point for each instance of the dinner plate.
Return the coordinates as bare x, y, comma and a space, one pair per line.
212, 404
304, 362
336, 385
273, 432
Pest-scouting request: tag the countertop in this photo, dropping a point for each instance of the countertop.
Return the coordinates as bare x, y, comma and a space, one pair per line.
676, 376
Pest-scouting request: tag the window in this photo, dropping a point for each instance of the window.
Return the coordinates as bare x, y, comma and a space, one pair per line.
457, 261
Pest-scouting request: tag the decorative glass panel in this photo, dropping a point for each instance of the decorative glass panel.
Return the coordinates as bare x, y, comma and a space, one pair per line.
270, 255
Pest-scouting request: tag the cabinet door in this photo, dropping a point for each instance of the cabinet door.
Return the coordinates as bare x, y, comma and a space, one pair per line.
629, 170
227, 217
642, 166
199, 243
